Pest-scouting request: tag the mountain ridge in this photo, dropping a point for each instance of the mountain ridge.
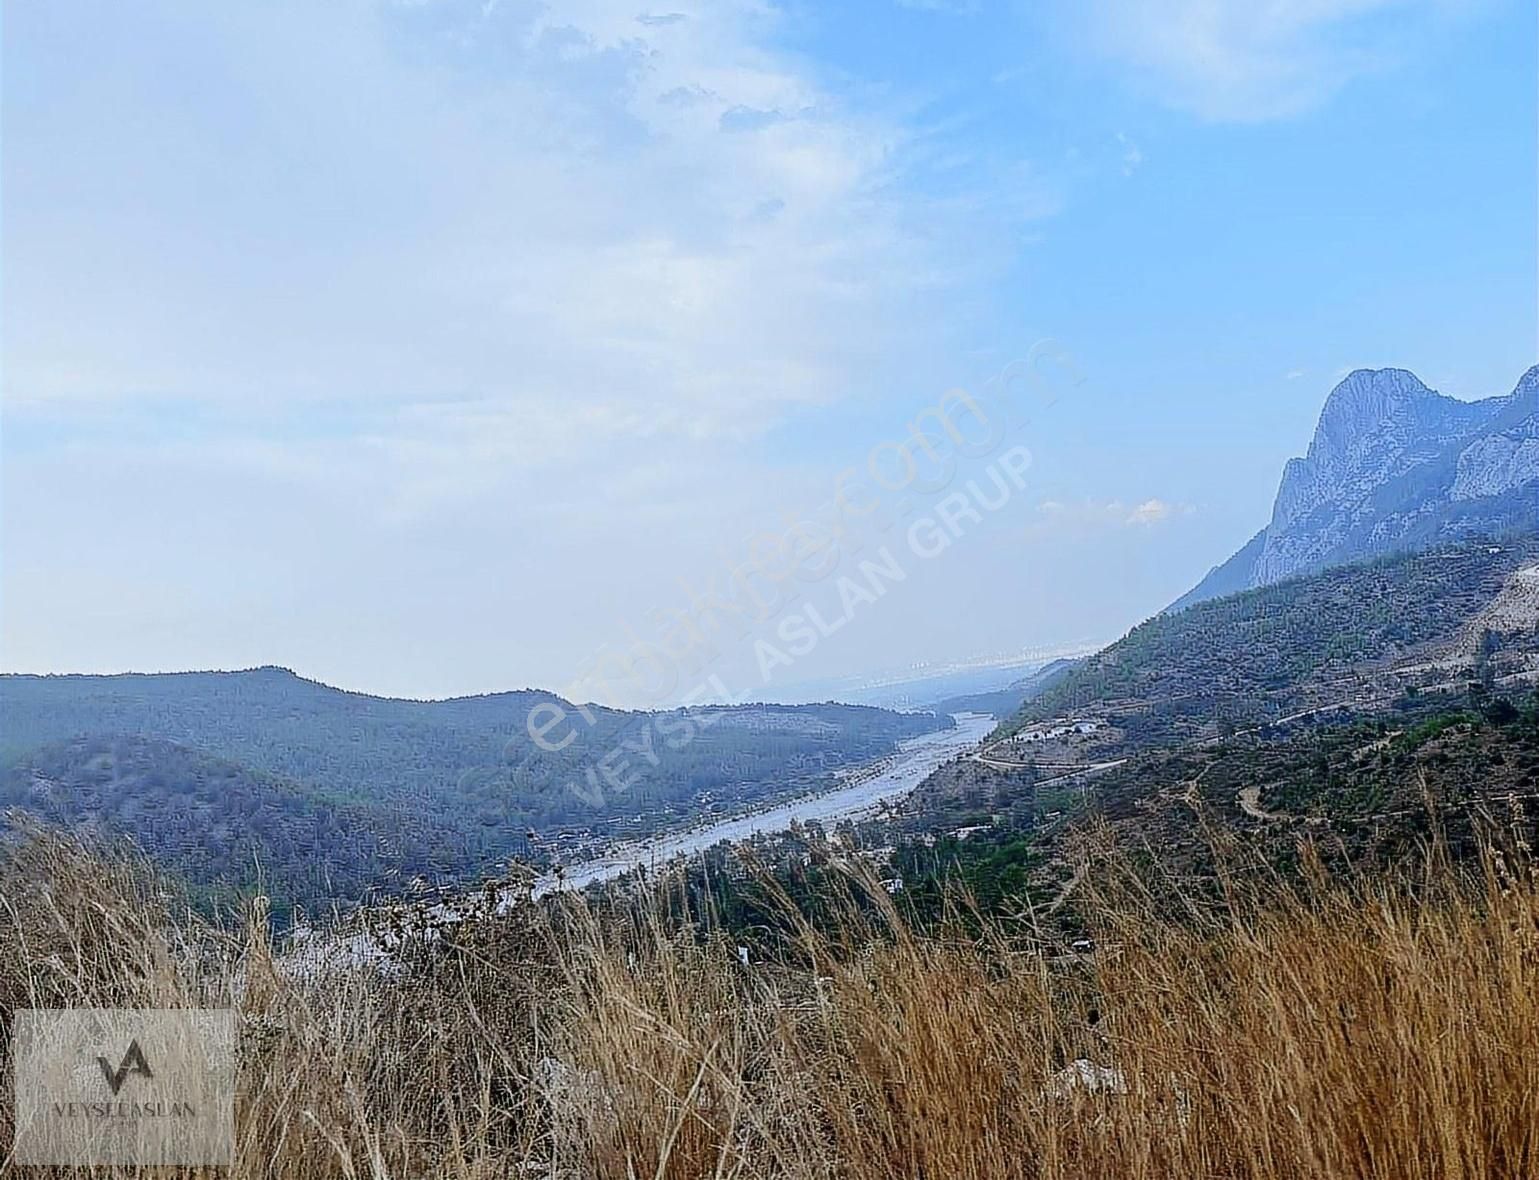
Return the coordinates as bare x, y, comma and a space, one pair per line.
1392, 464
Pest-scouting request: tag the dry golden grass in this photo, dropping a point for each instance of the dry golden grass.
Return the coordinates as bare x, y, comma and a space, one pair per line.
1377, 1030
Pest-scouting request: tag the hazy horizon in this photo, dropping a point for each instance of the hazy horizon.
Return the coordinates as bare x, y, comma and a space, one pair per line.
443, 348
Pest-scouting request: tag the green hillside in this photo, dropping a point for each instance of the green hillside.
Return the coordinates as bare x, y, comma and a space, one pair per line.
457, 785
222, 829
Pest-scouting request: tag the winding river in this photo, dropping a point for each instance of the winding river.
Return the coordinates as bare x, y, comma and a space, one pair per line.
866, 789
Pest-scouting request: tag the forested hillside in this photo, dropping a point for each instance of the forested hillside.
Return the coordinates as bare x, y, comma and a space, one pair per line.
244, 761
1004, 702
223, 830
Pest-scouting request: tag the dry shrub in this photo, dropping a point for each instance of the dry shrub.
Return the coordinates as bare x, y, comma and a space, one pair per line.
1382, 1028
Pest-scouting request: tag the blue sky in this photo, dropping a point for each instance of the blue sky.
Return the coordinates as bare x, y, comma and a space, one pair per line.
424, 347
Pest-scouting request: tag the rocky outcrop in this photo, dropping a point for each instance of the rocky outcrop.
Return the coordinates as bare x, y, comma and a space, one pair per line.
1393, 465
1507, 455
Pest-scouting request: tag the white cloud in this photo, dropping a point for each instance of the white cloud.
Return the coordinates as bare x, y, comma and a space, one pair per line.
1251, 60
1092, 516
1150, 512
466, 238
405, 204
466, 323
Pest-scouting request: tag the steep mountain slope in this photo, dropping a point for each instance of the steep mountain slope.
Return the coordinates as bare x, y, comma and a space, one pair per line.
1352, 634
1359, 709
1393, 465
1002, 702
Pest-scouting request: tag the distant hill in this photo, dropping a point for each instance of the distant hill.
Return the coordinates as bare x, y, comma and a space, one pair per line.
1003, 702
251, 760
1393, 466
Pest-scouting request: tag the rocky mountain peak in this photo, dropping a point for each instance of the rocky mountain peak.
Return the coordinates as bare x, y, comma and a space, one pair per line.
1376, 424
1364, 402
1394, 464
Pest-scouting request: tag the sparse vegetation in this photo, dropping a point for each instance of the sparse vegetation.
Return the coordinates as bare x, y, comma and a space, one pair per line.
1261, 654
1360, 1028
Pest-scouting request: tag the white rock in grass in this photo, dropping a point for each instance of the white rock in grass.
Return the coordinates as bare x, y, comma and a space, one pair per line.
1082, 1074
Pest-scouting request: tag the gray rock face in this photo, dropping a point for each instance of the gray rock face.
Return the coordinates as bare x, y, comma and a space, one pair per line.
1488, 466
1506, 456
1394, 465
